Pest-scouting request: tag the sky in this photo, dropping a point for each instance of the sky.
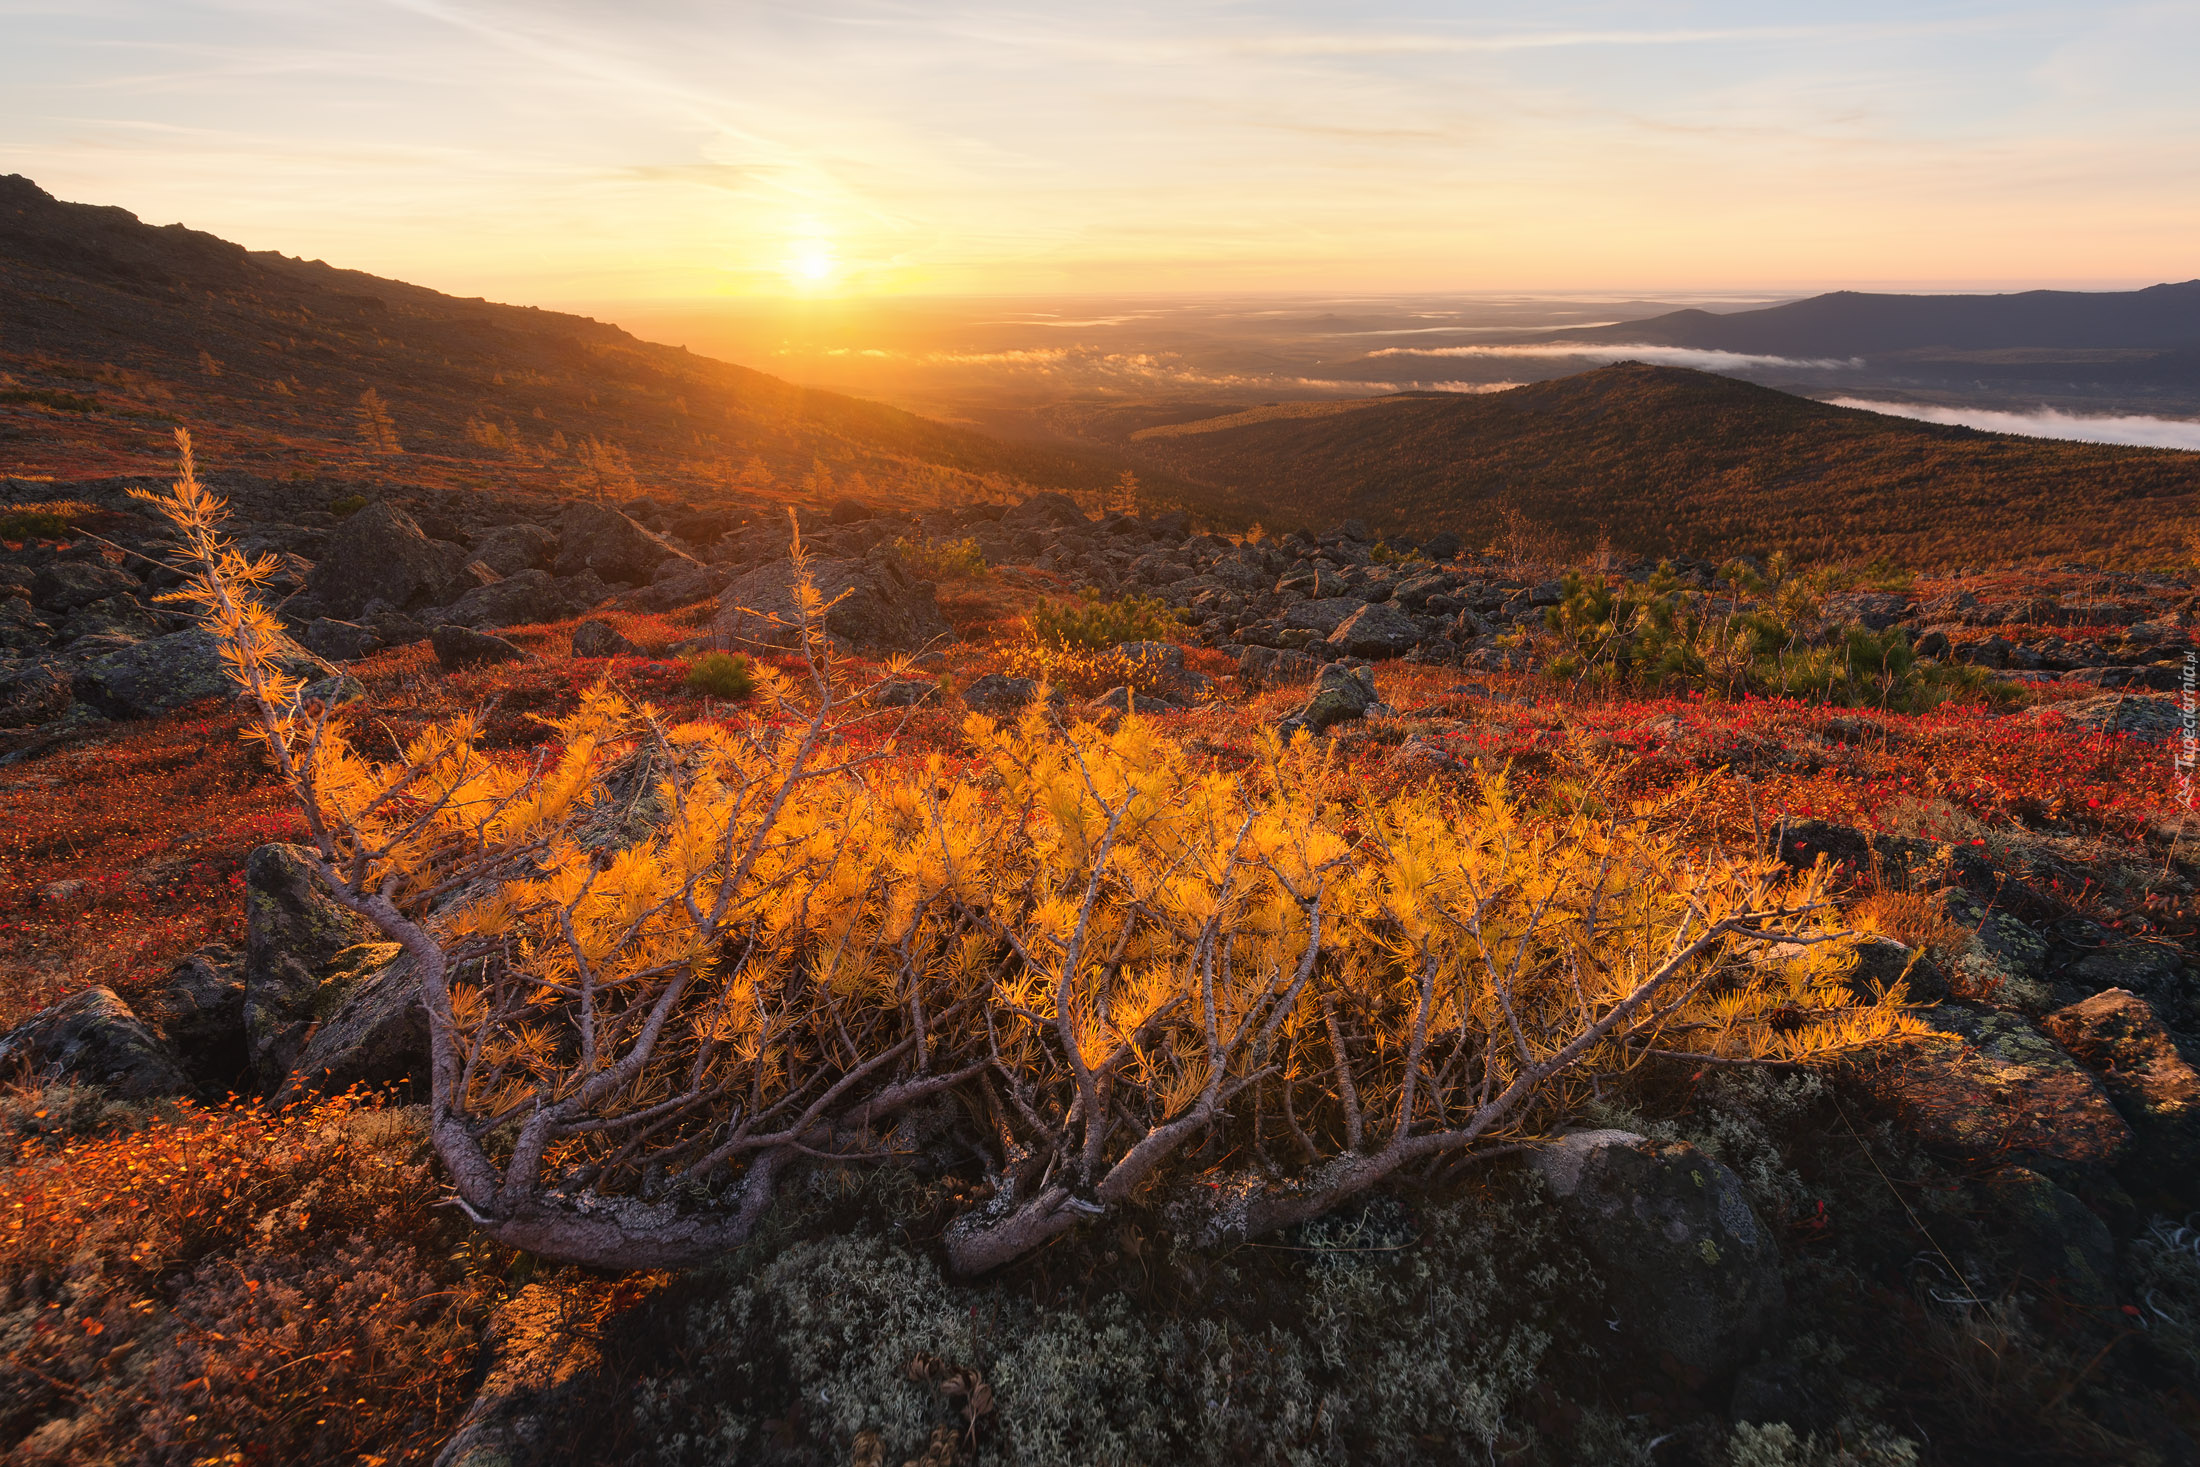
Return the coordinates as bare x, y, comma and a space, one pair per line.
553, 152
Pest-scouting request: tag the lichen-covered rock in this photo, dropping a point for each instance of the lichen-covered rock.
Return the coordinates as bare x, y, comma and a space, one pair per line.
998, 694
542, 1356
340, 641
2058, 1243
458, 648
1323, 614
65, 585
1998, 1086
200, 1012
381, 554
298, 943
596, 637
372, 1030
94, 1038
522, 597
2118, 1036
614, 547
1377, 629
1341, 694
874, 602
167, 672
510, 549
1694, 1273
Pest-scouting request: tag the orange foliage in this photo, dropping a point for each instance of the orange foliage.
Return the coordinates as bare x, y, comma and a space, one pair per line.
126, 851
231, 1284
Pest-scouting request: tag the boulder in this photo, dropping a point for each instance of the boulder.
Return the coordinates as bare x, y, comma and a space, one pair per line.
1377, 629
381, 554
685, 586
65, 585
1997, 1086
95, 1039
2057, 1242
524, 597
2140, 715
167, 672
22, 629
1045, 512
616, 548
33, 692
541, 1366
1324, 614
998, 694
510, 549
1274, 666
2118, 1036
298, 943
459, 647
372, 1029
596, 637
1692, 1272
1341, 694
199, 1011
339, 641
905, 693
871, 603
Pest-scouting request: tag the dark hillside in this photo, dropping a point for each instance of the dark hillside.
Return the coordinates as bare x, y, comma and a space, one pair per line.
1667, 460
115, 330
1855, 323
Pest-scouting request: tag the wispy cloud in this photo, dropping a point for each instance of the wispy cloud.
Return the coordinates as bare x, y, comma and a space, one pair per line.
1663, 356
2133, 431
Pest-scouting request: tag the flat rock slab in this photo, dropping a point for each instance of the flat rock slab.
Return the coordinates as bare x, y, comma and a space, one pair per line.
2000, 1087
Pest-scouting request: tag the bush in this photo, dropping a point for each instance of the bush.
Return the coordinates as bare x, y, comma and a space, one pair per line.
1661, 634
943, 560
726, 675
52, 519
691, 957
343, 506
1098, 625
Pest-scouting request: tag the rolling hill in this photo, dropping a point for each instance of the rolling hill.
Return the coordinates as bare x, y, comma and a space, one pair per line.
1852, 323
1663, 459
112, 330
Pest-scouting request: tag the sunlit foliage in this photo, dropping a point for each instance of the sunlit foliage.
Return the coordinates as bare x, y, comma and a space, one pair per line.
664, 961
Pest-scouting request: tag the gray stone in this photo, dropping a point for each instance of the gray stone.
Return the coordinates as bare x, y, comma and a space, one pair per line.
372, 1028
2059, 1245
1377, 629
905, 693
457, 648
524, 597
614, 547
65, 585
32, 693
998, 694
596, 637
1324, 614
871, 603
167, 672
1692, 1271
510, 549
200, 1012
298, 943
381, 554
1341, 694
340, 641
94, 1038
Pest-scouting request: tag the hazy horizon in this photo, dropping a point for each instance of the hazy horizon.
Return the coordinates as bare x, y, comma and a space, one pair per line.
561, 152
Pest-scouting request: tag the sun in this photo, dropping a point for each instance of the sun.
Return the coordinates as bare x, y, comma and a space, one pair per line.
811, 263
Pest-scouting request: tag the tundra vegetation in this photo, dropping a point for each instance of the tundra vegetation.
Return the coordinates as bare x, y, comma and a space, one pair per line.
1015, 1074
1132, 966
